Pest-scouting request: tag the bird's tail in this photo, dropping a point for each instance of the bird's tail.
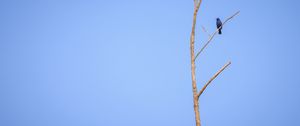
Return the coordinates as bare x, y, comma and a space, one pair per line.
220, 32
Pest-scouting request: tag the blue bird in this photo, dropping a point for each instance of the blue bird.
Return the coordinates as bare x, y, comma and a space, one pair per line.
219, 25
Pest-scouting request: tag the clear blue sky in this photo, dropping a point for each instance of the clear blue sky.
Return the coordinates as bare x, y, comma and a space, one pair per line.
111, 63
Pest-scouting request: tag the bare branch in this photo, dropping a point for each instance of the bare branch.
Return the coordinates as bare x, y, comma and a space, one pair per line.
211, 37
211, 79
204, 29
197, 4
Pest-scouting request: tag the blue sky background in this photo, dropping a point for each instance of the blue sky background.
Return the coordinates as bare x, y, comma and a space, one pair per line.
110, 63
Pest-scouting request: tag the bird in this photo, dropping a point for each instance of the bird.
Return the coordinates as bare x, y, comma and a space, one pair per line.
219, 25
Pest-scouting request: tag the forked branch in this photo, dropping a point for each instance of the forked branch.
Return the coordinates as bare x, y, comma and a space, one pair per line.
213, 35
197, 3
211, 79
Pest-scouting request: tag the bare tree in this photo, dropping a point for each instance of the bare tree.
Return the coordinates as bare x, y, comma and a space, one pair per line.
197, 94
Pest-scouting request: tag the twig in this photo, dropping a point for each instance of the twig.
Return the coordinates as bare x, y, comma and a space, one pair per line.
211, 79
204, 29
211, 37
